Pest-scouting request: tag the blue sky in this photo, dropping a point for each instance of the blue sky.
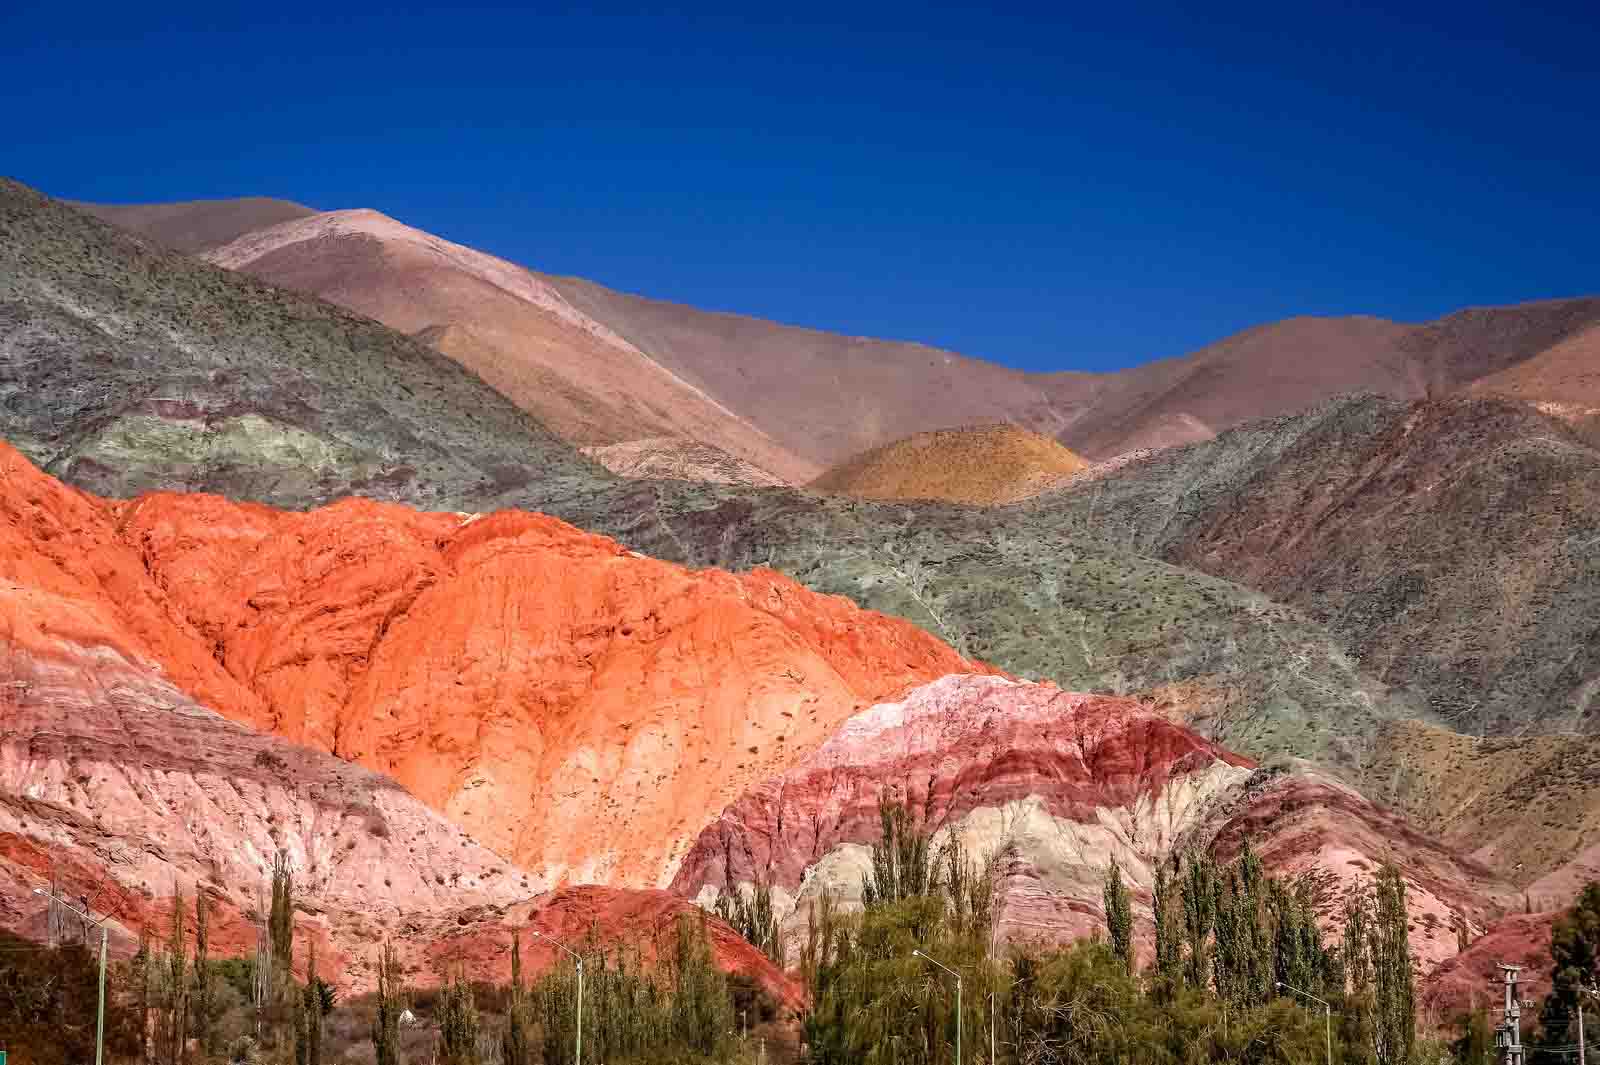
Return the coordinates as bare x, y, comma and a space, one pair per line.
1054, 189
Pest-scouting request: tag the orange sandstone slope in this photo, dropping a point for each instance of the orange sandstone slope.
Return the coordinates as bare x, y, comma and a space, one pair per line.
582, 709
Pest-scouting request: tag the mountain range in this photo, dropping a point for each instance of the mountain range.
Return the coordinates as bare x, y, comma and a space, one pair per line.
596, 594
804, 400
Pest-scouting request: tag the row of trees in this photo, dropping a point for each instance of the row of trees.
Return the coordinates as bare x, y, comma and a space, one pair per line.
1226, 937
678, 1008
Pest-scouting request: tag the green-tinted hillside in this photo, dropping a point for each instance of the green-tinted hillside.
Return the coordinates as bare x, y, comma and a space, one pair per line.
125, 366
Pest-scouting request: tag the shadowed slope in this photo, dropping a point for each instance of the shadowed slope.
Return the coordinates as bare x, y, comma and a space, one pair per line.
1453, 544
196, 225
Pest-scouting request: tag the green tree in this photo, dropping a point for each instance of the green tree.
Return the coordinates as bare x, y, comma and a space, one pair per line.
1199, 918
175, 1027
457, 1017
204, 992
1243, 961
316, 1002
1393, 979
900, 865
1119, 915
1574, 964
751, 914
515, 1047
48, 1001
1167, 979
280, 920
1476, 1041
391, 1003
143, 978
702, 1010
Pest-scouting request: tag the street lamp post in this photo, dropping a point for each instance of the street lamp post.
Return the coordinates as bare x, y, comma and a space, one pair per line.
1327, 1014
100, 1013
577, 1053
952, 972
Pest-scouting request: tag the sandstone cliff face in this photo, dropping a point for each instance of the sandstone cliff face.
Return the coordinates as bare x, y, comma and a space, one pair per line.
1057, 784
116, 786
578, 708
119, 787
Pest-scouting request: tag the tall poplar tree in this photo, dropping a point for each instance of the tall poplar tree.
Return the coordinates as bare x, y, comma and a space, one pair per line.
386, 1024
1574, 964
1166, 915
204, 983
516, 1047
1199, 917
1119, 915
177, 1006
1393, 980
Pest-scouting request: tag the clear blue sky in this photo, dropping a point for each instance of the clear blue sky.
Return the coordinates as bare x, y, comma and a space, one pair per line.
1051, 189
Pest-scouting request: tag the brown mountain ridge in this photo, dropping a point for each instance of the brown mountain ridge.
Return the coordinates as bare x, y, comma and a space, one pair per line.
796, 401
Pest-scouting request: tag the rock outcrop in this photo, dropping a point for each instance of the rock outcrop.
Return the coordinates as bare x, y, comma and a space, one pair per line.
117, 787
579, 708
678, 459
1058, 786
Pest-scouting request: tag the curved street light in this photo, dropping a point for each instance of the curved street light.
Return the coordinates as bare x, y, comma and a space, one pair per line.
577, 1053
952, 972
100, 1013
1327, 1013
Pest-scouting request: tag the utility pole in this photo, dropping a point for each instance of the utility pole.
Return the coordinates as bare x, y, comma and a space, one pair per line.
577, 1053
1581, 992
952, 972
1508, 1036
100, 1012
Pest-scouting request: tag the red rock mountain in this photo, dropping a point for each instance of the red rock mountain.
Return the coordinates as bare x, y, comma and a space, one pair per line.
578, 708
117, 786
1060, 785
583, 714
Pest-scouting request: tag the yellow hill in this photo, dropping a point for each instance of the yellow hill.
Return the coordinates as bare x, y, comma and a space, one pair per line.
984, 465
